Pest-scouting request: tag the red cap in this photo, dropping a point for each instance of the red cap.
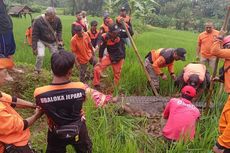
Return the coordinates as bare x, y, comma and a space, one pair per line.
189, 90
226, 40
6, 63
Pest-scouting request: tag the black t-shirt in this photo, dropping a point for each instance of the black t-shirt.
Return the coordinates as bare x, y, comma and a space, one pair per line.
62, 103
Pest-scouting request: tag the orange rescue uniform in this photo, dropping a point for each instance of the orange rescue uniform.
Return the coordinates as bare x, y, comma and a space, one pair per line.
159, 62
205, 41
12, 125
224, 122
126, 19
29, 35
81, 47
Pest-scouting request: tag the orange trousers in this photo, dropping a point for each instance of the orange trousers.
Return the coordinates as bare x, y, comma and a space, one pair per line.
105, 62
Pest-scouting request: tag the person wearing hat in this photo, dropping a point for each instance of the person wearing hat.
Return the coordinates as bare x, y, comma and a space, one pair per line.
194, 74
221, 49
205, 40
14, 131
124, 17
78, 22
181, 116
93, 33
163, 57
115, 45
83, 50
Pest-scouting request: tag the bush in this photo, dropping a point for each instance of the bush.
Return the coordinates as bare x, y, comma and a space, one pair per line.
159, 21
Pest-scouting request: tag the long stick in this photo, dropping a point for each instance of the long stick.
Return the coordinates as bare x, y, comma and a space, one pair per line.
140, 60
15, 103
208, 100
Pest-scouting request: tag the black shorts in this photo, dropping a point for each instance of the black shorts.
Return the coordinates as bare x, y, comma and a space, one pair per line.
7, 44
57, 145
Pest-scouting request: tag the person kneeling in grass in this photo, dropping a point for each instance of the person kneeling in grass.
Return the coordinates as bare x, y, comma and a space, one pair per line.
181, 116
14, 131
62, 102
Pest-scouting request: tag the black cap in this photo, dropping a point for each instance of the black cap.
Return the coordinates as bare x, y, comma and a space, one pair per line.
77, 28
194, 80
114, 28
93, 23
181, 53
123, 9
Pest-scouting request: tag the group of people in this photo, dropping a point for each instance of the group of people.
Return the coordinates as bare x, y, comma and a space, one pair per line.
67, 122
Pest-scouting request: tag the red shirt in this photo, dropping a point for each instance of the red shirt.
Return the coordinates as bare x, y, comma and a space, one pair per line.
182, 116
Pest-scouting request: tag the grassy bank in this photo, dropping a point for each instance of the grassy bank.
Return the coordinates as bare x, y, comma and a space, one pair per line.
110, 131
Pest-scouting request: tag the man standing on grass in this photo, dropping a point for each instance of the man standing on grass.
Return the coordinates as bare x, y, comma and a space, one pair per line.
205, 41
116, 54
84, 52
223, 141
123, 16
163, 57
47, 32
78, 22
62, 102
7, 42
14, 131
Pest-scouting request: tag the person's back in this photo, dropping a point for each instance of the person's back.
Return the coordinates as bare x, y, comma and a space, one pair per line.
182, 116
62, 102
194, 68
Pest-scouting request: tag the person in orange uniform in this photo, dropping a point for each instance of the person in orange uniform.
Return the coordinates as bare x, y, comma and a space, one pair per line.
107, 21
93, 33
163, 57
223, 141
14, 131
116, 54
123, 16
82, 48
205, 41
195, 75
80, 22
28, 35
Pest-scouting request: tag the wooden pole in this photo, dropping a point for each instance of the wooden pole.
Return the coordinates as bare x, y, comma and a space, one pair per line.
140, 60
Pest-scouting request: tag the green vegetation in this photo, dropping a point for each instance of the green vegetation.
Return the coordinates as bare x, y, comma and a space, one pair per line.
112, 132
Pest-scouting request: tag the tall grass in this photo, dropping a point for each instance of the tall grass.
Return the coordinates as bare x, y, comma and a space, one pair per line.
110, 131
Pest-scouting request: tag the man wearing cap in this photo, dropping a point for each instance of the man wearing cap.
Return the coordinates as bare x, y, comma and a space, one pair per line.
14, 131
93, 33
82, 47
78, 22
205, 40
181, 116
223, 141
47, 32
194, 74
124, 17
163, 57
115, 45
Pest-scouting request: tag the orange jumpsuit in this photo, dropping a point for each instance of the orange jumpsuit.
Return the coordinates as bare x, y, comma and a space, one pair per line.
12, 125
224, 122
